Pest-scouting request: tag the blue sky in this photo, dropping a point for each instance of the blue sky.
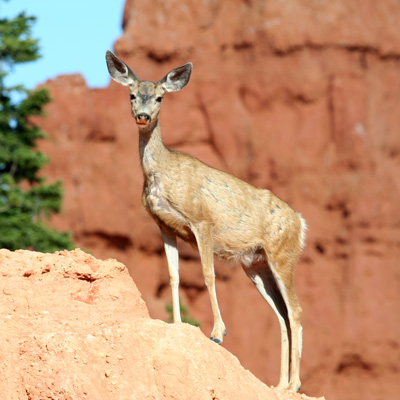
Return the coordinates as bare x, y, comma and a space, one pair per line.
74, 36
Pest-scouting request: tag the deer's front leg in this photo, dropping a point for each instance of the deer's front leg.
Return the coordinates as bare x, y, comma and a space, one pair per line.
171, 250
203, 234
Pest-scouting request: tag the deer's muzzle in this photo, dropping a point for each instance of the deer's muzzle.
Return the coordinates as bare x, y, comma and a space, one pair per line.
143, 119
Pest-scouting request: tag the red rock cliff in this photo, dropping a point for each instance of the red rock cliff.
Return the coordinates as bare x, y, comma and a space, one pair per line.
300, 97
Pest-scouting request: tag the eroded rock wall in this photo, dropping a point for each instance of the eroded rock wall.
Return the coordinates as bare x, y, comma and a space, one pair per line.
300, 97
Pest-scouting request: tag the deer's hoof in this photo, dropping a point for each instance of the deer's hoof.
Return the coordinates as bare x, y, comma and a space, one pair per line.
216, 340
218, 333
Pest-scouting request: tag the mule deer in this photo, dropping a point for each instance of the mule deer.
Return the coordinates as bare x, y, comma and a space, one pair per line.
219, 214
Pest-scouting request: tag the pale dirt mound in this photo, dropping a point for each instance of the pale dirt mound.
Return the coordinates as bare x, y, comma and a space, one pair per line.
74, 327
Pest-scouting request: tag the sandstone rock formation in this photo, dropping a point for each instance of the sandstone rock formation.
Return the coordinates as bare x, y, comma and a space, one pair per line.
74, 327
300, 97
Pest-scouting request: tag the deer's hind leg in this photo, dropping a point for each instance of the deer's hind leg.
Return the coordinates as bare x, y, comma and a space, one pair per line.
277, 289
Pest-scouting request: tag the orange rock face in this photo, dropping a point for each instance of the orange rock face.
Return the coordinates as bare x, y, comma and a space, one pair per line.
76, 328
299, 97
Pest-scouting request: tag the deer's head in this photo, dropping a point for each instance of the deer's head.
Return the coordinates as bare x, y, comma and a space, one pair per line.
146, 96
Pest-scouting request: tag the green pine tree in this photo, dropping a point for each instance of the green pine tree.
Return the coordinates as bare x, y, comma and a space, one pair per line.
26, 202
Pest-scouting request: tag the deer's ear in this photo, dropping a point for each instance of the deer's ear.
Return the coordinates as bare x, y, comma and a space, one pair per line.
119, 71
177, 79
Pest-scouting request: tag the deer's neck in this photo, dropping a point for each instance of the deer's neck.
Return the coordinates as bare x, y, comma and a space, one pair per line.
152, 149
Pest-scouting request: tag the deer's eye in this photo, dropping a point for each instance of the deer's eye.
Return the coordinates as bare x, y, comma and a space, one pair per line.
159, 99
133, 97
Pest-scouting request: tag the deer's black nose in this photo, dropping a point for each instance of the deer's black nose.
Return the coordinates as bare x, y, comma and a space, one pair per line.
143, 119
